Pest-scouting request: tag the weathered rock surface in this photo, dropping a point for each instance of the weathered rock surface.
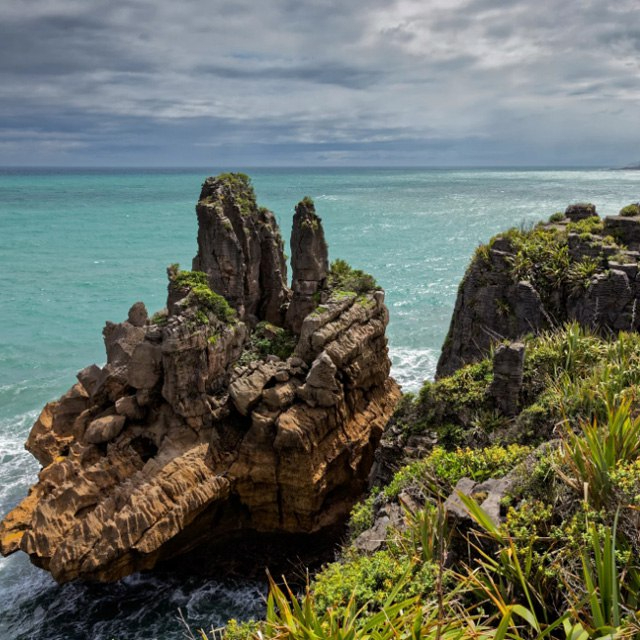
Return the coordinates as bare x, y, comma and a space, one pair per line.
309, 263
508, 366
185, 438
494, 302
241, 250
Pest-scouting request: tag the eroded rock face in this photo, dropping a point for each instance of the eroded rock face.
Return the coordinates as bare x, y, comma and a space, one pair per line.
508, 368
241, 250
185, 438
597, 286
309, 263
490, 306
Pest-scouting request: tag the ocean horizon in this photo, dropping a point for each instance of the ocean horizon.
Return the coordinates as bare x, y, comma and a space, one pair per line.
78, 246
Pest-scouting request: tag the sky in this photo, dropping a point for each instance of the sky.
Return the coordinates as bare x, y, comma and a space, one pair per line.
322, 83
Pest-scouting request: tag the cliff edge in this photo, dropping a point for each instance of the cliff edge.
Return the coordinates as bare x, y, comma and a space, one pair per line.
577, 266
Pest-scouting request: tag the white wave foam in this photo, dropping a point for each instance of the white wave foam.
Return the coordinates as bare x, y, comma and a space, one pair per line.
411, 367
18, 468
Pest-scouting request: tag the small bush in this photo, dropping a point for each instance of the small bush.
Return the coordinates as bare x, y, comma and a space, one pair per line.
361, 517
246, 630
345, 278
369, 580
579, 274
445, 468
631, 210
268, 340
201, 295
592, 225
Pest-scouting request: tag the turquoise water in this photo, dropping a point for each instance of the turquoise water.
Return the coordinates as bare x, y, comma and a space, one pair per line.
79, 247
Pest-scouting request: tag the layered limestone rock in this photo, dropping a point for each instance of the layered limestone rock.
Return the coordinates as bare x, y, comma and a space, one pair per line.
198, 432
576, 267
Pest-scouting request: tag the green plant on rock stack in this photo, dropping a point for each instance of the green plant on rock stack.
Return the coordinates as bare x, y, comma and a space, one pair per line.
201, 296
631, 210
239, 184
343, 277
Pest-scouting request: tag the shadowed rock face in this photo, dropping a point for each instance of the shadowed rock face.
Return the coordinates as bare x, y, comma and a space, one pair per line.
596, 285
186, 438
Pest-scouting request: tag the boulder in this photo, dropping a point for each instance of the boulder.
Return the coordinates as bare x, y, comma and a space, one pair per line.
104, 429
580, 211
138, 315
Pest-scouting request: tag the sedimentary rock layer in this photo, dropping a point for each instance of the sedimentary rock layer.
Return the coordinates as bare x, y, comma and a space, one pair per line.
199, 429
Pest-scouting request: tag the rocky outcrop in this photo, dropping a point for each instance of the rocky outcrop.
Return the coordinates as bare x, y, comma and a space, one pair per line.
187, 438
490, 306
241, 250
508, 366
578, 267
309, 263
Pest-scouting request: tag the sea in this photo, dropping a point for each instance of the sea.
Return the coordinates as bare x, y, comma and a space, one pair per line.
80, 246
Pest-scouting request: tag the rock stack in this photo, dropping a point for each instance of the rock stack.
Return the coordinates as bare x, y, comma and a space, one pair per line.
198, 434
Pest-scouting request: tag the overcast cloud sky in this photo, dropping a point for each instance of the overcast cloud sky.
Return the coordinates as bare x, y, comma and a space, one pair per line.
330, 82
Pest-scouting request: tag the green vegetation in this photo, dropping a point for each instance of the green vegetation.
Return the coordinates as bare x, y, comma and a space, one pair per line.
343, 277
240, 188
592, 225
201, 296
579, 274
631, 210
541, 256
558, 216
362, 515
268, 339
369, 579
160, 318
563, 561
569, 373
442, 469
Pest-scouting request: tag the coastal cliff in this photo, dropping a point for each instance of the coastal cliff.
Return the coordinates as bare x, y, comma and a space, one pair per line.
507, 490
242, 409
575, 267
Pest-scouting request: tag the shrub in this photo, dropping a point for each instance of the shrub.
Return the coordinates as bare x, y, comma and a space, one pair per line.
541, 257
442, 469
592, 225
344, 277
594, 455
369, 580
579, 274
201, 295
361, 517
631, 210
268, 339
463, 392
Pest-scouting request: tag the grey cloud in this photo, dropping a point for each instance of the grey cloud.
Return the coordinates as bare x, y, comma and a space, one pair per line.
330, 73
116, 80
